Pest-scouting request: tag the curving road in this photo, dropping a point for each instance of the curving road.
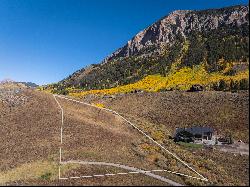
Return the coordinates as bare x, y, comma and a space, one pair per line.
148, 173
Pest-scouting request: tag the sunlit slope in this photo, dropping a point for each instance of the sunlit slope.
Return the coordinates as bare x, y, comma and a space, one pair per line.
181, 79
30, 142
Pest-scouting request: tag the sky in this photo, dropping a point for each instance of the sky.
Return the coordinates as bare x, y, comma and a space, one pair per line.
44, 41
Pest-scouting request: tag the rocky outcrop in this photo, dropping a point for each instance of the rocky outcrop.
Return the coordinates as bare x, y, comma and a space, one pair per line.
181, 22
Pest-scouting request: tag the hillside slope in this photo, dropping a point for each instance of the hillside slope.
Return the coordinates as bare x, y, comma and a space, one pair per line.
159, 114
182, 109
30, 136
30, 142
216, 38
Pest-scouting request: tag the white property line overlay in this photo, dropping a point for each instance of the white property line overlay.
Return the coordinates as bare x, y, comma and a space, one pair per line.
132, 169
135, 170
131, 172
116, 113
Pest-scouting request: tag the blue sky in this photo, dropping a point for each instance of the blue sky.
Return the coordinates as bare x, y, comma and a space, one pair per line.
44, 41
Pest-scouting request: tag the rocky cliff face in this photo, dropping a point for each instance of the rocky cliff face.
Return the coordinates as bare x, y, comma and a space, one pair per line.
181, 23
211, 34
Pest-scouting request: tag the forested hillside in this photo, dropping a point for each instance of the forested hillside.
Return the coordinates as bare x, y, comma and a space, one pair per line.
181, 45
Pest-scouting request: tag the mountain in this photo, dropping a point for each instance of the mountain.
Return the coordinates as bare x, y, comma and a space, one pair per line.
6, 81
184, 38
29, 84
21, 84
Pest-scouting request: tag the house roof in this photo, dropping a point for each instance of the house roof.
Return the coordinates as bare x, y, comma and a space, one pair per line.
196, 130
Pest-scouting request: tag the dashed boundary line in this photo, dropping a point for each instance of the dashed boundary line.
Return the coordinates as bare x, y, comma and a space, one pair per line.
132, 172
116, 113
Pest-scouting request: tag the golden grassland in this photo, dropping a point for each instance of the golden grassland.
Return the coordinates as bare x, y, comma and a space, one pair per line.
45, 170
181, 79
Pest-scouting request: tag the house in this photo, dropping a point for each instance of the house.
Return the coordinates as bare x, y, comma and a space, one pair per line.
195, 134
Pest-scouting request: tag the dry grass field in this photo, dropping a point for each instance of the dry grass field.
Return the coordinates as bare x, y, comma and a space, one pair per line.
30, 136
223, 111
159, 114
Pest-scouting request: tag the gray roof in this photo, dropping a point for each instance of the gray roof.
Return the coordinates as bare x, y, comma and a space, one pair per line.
196, 130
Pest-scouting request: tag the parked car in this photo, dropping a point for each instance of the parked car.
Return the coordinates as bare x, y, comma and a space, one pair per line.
184, 136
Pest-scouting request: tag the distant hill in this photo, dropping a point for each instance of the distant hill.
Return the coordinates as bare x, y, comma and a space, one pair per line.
29, 84
21, 84
6, 81
217, 39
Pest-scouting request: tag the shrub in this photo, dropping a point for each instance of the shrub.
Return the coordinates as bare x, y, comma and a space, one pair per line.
99, 105
46, 176
244, 84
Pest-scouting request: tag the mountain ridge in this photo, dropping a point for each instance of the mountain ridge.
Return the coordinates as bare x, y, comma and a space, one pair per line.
200, 31
175, 18
24, 84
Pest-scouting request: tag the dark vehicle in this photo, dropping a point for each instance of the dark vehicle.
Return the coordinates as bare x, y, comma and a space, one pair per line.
184, 136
